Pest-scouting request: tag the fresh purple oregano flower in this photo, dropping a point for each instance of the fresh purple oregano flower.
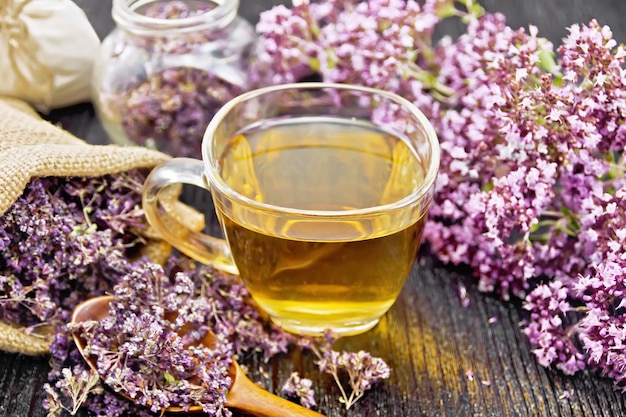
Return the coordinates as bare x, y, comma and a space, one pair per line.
531, 187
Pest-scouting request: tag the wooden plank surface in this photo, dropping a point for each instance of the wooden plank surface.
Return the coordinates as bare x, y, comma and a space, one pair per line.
428, 338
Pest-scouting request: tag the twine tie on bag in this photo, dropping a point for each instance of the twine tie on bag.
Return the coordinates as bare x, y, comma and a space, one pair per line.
22, 54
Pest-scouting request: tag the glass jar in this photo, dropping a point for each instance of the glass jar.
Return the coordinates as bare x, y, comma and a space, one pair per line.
167, 67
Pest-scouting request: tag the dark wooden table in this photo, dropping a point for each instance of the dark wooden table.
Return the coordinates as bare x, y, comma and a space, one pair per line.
428, 338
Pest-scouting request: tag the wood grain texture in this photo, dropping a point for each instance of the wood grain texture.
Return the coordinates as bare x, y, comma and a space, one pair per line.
428, 338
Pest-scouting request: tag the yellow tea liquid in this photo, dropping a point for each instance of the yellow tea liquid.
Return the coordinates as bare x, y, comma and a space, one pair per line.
311, 274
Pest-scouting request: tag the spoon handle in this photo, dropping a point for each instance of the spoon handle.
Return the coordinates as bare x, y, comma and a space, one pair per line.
254, 400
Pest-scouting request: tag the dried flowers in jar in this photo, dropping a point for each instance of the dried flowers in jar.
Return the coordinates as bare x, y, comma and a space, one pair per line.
167, 68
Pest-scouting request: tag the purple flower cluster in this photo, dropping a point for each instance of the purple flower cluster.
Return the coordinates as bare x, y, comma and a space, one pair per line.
531, 187
546, 330
361, 368
296, 386
170, 109
143, 351
65, 239
366, 43
146, 320
603, 328
163, 313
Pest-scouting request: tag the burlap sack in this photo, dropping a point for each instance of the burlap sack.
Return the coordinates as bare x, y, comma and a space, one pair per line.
31, 147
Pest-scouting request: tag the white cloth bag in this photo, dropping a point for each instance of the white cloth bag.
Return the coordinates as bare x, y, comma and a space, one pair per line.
47, 50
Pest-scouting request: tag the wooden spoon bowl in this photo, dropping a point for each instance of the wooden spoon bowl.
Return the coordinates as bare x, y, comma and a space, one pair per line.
244, 395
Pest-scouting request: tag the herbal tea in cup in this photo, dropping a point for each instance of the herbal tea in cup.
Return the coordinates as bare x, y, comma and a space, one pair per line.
321, 190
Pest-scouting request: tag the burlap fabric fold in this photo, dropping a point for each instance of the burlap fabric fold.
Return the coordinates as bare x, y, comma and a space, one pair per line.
31, 147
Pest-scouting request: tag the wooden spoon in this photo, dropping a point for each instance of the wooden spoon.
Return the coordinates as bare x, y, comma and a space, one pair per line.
243, 395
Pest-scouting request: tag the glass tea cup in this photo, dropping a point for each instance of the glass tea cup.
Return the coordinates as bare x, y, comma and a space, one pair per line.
321, 190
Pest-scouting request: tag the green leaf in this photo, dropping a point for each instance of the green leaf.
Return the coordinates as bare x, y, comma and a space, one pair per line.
477, 10
169, 378
447, 9
314, 63
547, 62
315, 30
535, 227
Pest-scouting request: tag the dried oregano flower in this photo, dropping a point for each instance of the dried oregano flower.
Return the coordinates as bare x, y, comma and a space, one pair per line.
139, 329
171, 109
65, 239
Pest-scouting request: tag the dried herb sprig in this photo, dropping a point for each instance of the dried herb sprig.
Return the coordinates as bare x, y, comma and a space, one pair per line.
361, 369
65, 239
138, 330
142, 350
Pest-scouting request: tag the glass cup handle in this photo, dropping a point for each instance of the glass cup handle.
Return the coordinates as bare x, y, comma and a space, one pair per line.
199, 246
